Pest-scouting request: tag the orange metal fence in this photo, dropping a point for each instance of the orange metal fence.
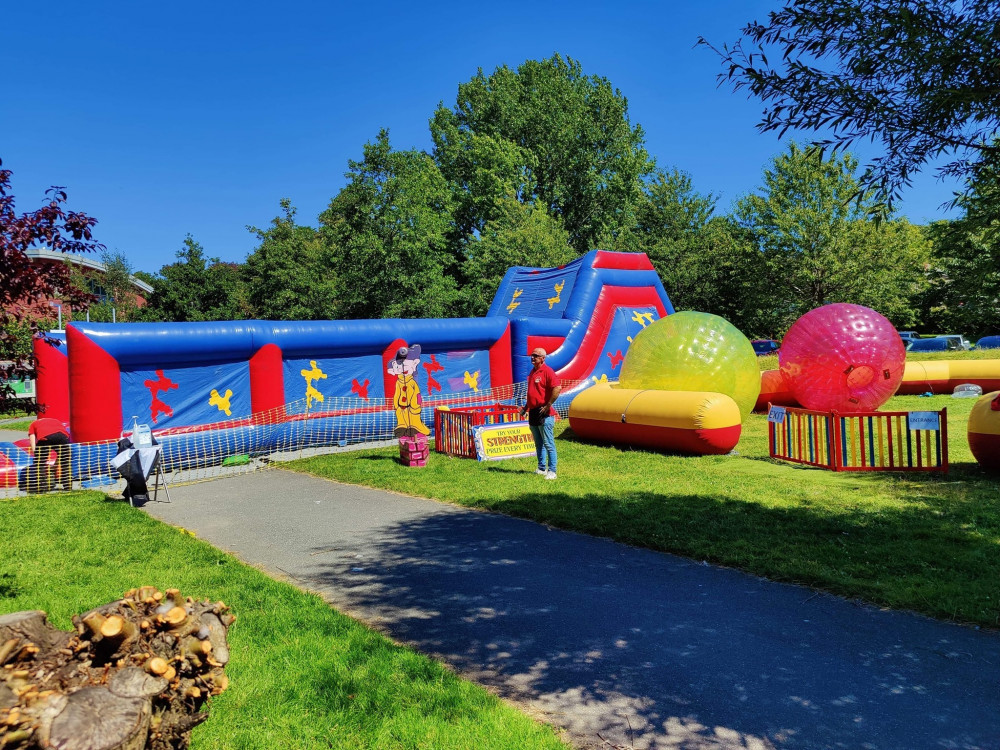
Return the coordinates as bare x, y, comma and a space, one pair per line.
454, 428
871, 441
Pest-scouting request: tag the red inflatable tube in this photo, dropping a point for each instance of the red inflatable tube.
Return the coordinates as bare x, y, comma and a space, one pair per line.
774, 390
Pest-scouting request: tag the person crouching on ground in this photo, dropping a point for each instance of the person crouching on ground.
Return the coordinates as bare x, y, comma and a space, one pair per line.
46, 433
543, 390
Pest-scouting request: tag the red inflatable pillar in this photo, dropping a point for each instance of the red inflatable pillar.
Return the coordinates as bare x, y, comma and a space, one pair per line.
267, 385
51, 380
95, 390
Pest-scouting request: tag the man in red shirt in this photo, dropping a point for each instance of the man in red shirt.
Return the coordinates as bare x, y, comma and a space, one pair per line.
46, 433
543, 390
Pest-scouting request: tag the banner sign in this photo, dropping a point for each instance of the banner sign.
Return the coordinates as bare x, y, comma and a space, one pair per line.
923, 420
776, 414
495, 442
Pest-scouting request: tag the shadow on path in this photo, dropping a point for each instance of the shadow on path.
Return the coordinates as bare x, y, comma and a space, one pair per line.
597, 637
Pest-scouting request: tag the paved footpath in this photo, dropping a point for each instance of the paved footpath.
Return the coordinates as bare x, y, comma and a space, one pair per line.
642, 649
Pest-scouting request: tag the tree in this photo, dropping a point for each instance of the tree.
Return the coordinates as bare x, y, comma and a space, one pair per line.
196, 288
921, 76
118, 291
546, 133
821, 248
521, 235
291, 274
964, 275
23, 286
722, 271
670, 220
388, 231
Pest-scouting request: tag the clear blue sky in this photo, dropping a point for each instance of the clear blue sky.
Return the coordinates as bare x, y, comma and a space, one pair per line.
163, 119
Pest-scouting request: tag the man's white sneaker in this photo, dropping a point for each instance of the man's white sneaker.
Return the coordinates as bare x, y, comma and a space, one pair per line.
550, 475
541, 471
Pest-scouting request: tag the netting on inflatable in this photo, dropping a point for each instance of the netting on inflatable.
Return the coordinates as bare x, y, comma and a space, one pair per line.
295, 430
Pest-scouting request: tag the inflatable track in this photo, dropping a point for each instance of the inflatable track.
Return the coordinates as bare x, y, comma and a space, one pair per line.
237, 378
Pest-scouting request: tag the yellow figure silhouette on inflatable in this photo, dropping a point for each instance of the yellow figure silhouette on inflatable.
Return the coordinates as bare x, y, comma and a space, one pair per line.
513, 301
310, 375
643, 319
406, 399
221, 402
558, 298
471, 379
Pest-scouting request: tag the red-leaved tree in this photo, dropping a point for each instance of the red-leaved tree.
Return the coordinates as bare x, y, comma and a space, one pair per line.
26, 286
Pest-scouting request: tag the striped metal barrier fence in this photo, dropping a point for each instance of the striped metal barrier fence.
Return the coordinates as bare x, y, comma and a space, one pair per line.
871, 441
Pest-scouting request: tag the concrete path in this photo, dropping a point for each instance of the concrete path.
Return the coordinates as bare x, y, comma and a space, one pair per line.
642, 649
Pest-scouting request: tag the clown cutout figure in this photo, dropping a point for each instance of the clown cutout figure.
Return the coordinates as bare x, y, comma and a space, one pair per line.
406, 399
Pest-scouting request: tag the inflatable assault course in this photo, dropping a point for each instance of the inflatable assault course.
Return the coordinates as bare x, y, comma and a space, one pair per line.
210, 390
633, 371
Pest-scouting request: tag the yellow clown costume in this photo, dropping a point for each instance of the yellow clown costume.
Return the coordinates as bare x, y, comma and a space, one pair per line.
406, 399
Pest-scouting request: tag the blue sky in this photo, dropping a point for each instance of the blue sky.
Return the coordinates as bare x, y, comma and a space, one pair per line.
163, 119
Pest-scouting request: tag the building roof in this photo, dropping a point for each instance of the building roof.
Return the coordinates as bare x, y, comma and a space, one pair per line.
82, 260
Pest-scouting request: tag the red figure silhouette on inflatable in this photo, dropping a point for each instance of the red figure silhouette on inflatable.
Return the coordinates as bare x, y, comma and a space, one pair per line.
616, 359
432, 367
360, 388
156, 406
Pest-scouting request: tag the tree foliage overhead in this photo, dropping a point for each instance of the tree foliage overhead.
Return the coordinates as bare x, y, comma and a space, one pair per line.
544, 132
23, 284
920, 76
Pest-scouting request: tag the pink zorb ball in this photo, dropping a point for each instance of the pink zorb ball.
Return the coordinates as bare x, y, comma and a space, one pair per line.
841, 357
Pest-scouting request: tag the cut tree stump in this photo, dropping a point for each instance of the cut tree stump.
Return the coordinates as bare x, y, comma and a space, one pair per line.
137, 673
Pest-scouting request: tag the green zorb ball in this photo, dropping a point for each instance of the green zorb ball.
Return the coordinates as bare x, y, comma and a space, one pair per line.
694, 351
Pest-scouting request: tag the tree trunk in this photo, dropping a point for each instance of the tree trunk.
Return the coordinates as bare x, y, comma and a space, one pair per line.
137, 673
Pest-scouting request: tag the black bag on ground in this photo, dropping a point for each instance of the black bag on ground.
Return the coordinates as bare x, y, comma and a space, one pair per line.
136, 491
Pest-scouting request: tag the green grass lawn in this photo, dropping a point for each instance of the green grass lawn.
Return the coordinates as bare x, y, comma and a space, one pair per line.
302, 675
21, 425
922, 542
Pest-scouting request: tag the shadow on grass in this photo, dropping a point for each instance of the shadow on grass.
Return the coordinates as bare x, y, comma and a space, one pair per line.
600, 636
8, 586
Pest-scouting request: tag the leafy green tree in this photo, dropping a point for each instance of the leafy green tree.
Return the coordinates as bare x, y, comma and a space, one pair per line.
722, 271
545, 132
116, 292
669, 221
520, 235
673, 211
388, 230
291, 274
195, 288
964, 275
819, 245
920, 76
963, 295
